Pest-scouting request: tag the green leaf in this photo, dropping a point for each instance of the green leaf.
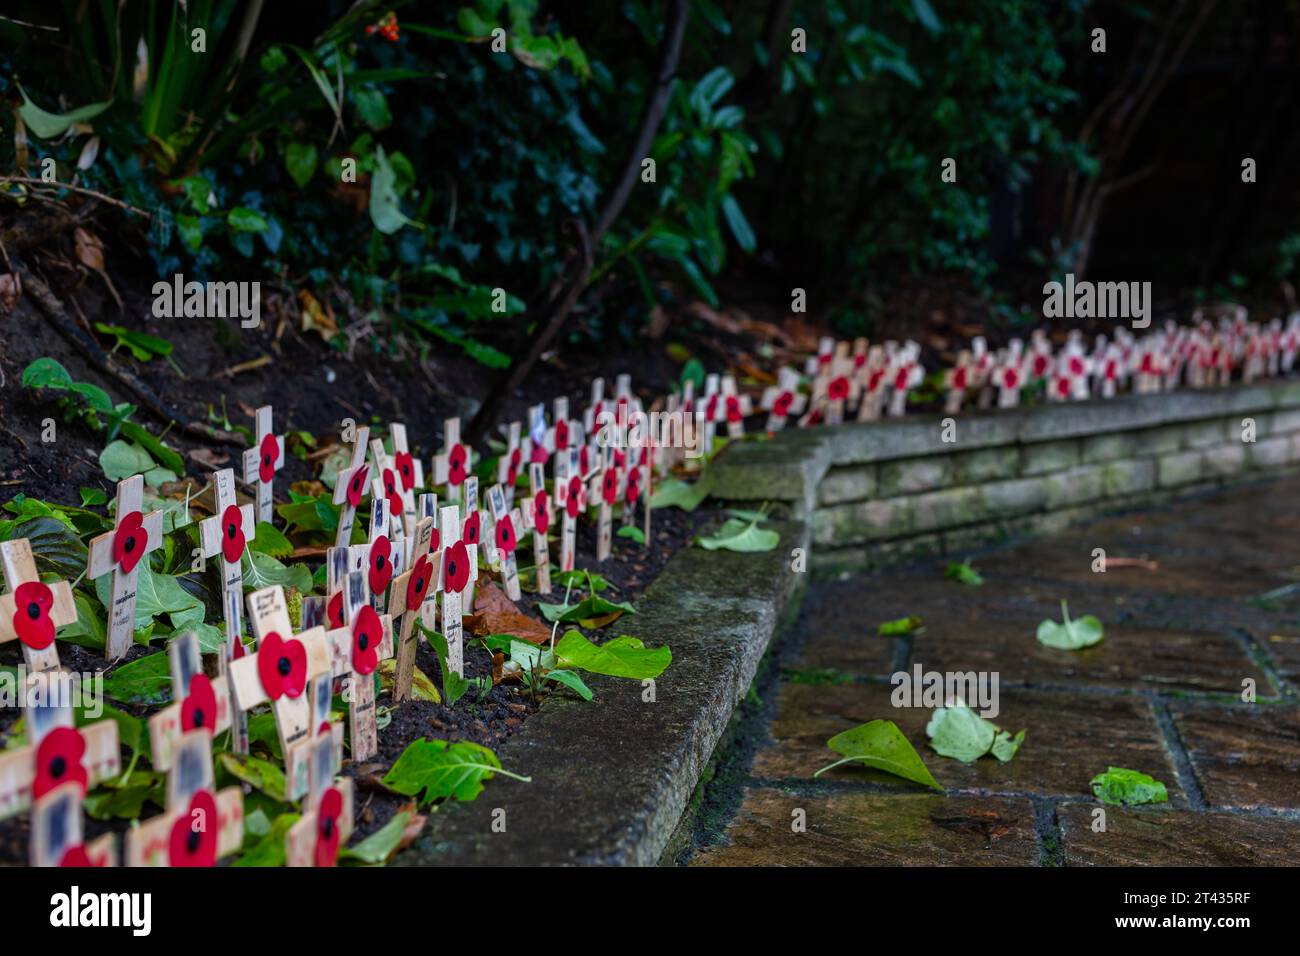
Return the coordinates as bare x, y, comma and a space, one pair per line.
882, 746
622, 656
963, 573
589, 609
421, 687
436, 770
55, 547
300, 161
372, 107
243, 219
121, 459
454, 686
270, 849
742, 536
571, 681
1071, 635
256, 772
93, 497
49, 125
960, 733
738, 224
675, 493
142, 345
381, 844
263, 571
1006, 746
157, 595
144, 681
164, 455
633, 532
925, 13
1121, 787
268, 539
899, 626
385, 207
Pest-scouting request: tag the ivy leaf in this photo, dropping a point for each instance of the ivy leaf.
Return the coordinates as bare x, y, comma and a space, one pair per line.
384, 842
1121, 787
742, 536
270, 850
587, 611
121, 459
437, 769
1005, 746
242, 219
268, 539
256, 772
675, 493
93, 497
1072, 634
963, 573
144, 681
300, 161
881, 745
385, 207
633, 532
55, 547
622, 656
263, 571
960, 733
157, 595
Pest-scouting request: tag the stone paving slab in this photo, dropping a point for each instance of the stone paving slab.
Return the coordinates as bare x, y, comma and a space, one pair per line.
1162, 837
1070, 738
866, 829
1243, 756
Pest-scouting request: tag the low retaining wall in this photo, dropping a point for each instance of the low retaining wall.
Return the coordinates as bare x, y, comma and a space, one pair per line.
875, 492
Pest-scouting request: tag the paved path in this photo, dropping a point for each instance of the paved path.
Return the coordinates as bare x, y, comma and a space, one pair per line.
1161, 694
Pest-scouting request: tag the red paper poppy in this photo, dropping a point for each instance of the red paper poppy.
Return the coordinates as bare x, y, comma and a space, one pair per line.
815, 417
512, 471
471, 530
334, 610
539, 454
232, 534
58, 760
781, 407
327, 827
733, 409
541, 512
838, 390
1076, 365
282, 666
199, 709
32, 603
609, 486
959, 379
194, 834
506, 535
457, 465
417, 585
367, 632
1010, 378
572, 501
873, 382
76, 856
381, 564
633, 485
859, 360
584, 460
129, 541
405, 469
395, 505
1063, 386
270, 454
561, 435
435, 542
357, 486
455, 568
620, 458
900, 379
711, 409
1040, 365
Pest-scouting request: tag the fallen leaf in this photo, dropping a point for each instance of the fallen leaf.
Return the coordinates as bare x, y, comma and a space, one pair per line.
89, 249
209, 457
315, 317
1119, 786
11, 289
515, 623
1072, 634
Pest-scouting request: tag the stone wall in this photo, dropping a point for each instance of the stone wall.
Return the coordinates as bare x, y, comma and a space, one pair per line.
874, 492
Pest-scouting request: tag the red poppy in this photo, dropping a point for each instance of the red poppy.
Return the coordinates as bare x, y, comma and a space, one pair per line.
620, 458
435, 542
711, 409
1063, 386
405, 469
633, 485
58, 760
334, 609
874, 381
781, 407
816, 417
1010, 378
367, 632
76, 856
584, 460
455, 568
232, 534
199, 709
395, 506
609, 486
457, 465
327, 827
512, 471
859, 360
1040, 365
506, 535
282, 666
1076, 365
381, 564
541, 512
959, 379
561, 435
129, 541
838, 390
539, 454
572, 501
32, 603
471, 530
417, 585
270, 454
900, 379
733, 409
357, 486
194, 834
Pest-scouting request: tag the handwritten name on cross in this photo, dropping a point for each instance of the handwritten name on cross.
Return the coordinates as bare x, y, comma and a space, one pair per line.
327, 814
459, 571
411, 590
32, 610
350, 488
199, 703
356, 649
262, 461
120, 551
455, 463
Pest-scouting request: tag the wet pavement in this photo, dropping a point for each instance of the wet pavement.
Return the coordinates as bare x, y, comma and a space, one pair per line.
1208, 612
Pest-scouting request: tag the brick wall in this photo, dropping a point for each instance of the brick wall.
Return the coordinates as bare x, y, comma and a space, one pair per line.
876, 491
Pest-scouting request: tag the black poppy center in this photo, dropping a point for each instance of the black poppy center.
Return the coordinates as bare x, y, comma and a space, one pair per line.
363, 640
198, 717
327, 827
419, 585
192, 841
129, 546
58, 767
284, 666
34, 611
230, 531
379, 562
266, 461
451, 568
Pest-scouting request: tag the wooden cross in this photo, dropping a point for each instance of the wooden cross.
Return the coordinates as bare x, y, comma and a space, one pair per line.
32, 610
609, 482
596, 410
839, 384
57, 835
873, 383
958, 379
459, 571
537, 518
637, 482
735, 407
410, 474
356, 649
506, 525
712, 399
199, 703
981, 372
396, 479
471, 533
279, 673
262, 461
570, 494
350, 488
200, 825
57, 751
327, 821
227, 533
508, 464
385, 557
907, 374
1009, 378
120, 551
415, 586
782, 399
455, 464
564, 433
